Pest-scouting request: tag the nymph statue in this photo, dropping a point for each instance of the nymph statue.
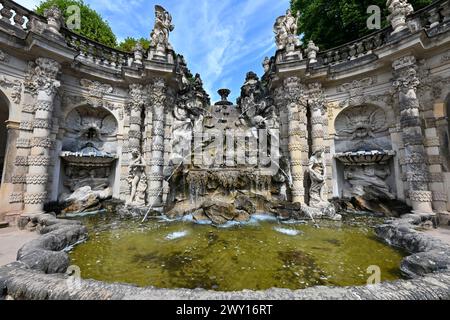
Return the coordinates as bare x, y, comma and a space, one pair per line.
137, 179
316, 170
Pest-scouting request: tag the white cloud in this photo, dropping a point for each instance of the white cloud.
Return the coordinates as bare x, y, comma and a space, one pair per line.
220, 39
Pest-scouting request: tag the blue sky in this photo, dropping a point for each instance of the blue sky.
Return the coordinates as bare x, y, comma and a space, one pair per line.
220, 39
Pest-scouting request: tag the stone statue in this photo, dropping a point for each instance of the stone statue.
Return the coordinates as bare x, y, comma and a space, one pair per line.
285, 30
138, 52
311, 51
399, 10
137, 179
316, 170
266, 64
54, 20
160, 34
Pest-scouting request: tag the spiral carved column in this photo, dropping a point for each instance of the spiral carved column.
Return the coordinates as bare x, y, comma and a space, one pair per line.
156, 179
39, 160
298, 135
417, 174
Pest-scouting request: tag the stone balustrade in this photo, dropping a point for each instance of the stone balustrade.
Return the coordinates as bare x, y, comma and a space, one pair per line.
97, 53
17, 16
433, 19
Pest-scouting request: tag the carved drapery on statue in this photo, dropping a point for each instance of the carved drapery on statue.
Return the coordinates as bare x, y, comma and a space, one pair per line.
137, 179
316, 170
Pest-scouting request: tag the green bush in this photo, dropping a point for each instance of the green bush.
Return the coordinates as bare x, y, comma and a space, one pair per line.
92, 24
330, 23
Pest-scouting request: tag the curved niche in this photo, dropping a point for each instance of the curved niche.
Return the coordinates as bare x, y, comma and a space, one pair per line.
89, 149
364, 153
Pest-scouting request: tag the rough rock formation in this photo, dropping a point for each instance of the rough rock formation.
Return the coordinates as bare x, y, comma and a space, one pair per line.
46, 253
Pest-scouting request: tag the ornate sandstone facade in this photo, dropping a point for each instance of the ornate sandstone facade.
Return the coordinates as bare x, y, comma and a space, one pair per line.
369, 118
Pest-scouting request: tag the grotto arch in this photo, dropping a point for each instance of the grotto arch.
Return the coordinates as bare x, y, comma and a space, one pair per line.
363, 159
89, 151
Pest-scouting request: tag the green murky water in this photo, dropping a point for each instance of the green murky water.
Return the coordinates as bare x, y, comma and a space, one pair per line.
258, 256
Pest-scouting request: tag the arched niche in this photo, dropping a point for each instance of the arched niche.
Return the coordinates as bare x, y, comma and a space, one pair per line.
364, 157
86, 124
89, 149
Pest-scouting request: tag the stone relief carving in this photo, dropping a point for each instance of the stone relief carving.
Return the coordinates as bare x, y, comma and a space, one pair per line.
46, 72
3, 57
30, 82
137, 179
362, 128
96, 91
446, 57
361, 123
355, 89
15, 86
257, 107
160, 34
188, 112
85, 125
399, 10
285, 30
368, 180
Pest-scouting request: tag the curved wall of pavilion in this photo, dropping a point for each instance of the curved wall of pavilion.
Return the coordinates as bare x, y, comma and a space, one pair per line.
356, 97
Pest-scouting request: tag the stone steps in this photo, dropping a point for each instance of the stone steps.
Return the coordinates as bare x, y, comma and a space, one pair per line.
4, 224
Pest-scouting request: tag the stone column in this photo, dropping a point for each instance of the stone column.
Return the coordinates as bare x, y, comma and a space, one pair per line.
39, 160
298, 135
156, 179
417, 174
137, 101
316, 103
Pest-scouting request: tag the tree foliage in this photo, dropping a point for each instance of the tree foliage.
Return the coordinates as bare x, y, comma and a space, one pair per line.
129, 43
92, 24
330, 23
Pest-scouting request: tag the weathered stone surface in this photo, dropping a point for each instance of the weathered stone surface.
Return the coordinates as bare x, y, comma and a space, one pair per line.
28, 284
45, 253
219, 212
429, 254
244, 203
83, 200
